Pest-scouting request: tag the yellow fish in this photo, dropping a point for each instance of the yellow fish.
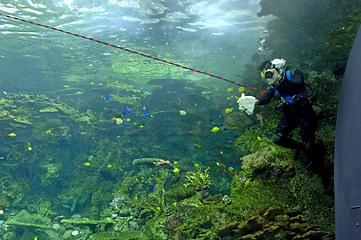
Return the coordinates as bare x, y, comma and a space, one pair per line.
36, 238
136, 179
66, 86
4, 92
12, 135
230, 169
215, 129
49, 131
79, 92
197, 145
247, 182
118, 121
175, 162
29, 148
83, 133
229, 89
176, 170
182, 112
221, 152
241, 89
197, 165
136, 198
109, 166
258, 138
175, 204
87, 164
217, 163
228, 110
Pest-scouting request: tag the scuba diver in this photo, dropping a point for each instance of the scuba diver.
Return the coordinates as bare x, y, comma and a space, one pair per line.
289, 87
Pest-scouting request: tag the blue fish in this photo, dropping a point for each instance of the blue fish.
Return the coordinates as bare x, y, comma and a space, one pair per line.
126, 111
231, 163
153, 188
107, 97
147, 114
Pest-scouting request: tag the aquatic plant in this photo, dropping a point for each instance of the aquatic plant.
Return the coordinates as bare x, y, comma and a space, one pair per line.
180, 193
198, 180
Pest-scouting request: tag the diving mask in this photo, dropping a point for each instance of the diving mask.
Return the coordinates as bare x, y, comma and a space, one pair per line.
269, 76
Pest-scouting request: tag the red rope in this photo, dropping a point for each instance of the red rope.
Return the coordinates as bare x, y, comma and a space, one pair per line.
129, 50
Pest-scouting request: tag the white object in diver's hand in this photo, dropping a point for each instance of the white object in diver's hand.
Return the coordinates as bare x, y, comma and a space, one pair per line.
247, 103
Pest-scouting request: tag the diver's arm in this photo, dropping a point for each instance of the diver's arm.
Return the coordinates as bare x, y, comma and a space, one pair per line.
265, 99
297, 77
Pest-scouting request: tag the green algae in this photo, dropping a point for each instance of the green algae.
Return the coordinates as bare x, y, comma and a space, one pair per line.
118, 235
83, 221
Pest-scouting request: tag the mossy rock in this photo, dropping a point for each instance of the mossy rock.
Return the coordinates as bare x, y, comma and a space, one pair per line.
145, 161
48, 110
24, 218
118, 236
85, 221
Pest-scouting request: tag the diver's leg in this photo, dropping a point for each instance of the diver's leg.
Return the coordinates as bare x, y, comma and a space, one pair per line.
308, 125
314, 154
285, 126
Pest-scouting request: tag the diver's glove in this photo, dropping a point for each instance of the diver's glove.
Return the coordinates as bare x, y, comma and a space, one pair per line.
247, 103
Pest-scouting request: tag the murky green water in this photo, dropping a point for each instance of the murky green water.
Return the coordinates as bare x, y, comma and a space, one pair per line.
75, 114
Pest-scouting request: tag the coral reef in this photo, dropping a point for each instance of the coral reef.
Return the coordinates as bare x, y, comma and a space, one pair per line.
259, 159
274, 223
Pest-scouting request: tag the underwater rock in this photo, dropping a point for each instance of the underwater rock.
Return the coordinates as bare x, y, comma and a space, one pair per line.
4, 113
117, 203
3, 228
117, 235
85, 221
258, 160
67, 234
226, 200
274, 223
22, 120
48, 110
56, 226
53, 123
205, 193
270, 213
145, 161
180, 193
24, 218
228, 230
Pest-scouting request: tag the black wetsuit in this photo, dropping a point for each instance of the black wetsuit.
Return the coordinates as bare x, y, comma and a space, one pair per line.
297, 114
